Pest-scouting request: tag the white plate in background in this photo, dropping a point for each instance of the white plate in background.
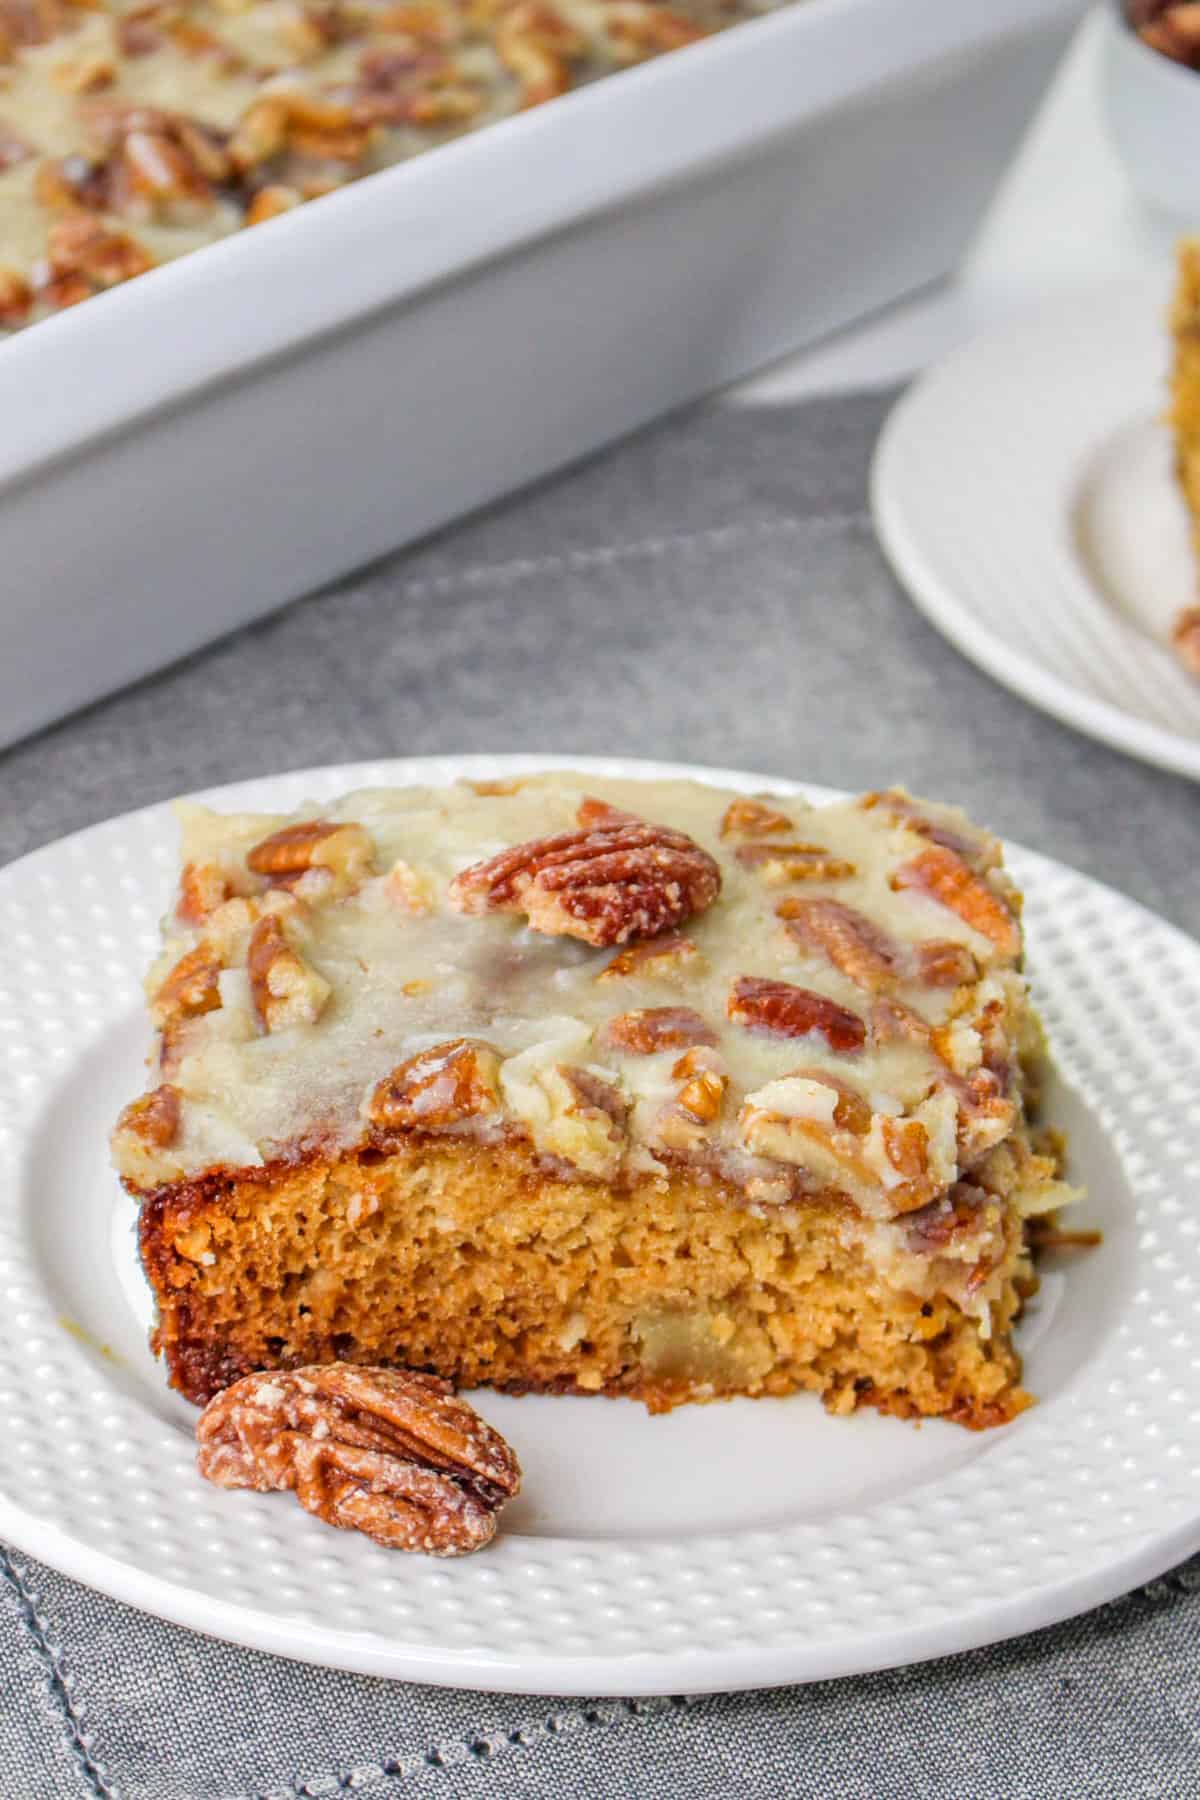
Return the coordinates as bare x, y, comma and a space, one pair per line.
1024, 495
720, 1547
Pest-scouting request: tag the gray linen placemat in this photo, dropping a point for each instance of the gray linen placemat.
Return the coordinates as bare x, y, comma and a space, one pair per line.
711, 591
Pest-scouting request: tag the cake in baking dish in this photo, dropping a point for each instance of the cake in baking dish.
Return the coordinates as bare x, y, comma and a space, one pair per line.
567, 1084
132, 131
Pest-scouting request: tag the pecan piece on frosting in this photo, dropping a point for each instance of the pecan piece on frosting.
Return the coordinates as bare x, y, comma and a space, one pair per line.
313, 844
783, 1010
846, 937
653, 1028
393, 1454
747, 817
945, 878
153, 1118
664, 958
780, 863
438, 1087
605, 885
16, 299
190, 988
284, 989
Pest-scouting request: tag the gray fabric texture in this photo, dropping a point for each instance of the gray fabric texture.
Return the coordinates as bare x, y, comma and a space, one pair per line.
712, 591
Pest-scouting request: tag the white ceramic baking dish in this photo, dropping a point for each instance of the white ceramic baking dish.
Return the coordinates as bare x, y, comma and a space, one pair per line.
183, 454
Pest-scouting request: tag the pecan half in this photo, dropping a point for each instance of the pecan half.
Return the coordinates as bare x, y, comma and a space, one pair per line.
653, 1028
203, 887
605, 885
946, 878
392, 1454
284, 989
786, 1011
438, 1087
850, 941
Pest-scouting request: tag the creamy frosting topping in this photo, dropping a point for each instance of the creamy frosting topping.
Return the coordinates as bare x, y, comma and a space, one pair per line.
833, 1002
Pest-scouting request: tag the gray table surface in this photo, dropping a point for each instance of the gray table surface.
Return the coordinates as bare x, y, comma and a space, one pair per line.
709, 591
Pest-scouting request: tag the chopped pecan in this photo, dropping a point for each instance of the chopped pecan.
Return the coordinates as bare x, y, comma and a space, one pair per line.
934, 1227
851, 1110
496, 789
404, 86
1185, 637
653, 1028
392, 1454
27, 22
662, 957
894, 1023
901, 809
438, 1087
408, 888
786, 1011
84, 75
203, 887
941, 963
305, 124
270, 202
85, 256
140, 32
345, 850
536, 44
284, 989
747, 817
593, 812
639, 29
153, 1118
704, 1083
605, 885
191, 987
946, 879
906, 1146
155, 165
864, 953
779, 863
16, 299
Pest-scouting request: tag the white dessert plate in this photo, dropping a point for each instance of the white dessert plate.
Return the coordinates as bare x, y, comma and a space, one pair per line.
720, 1547
1024, 494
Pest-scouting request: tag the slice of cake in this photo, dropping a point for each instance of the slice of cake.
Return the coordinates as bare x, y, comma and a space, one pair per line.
1185, 425
577, 1085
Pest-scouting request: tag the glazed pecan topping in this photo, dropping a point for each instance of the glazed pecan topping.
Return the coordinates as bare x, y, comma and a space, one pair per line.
852, 1110
312, 844
703, 1091
906, 1145
662, 957
191, 987
16, 299
786, 1011
861, 950
537, 45
85, 256
934, 1227
778, 863
284, 989
894, 1023
747, 817
605, 885
438, 1087
941, 963
946, 878
654, 1028
392, 1454
902, 809
202, 888
153, 1118
153, 164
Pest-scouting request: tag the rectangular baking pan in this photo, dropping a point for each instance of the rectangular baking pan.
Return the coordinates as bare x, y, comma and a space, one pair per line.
183, 454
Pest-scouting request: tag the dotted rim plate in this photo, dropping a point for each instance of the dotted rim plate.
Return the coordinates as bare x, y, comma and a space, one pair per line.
976, 486
1089, 1493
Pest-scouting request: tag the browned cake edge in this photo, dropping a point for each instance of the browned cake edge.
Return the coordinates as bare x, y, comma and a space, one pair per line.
473, 1262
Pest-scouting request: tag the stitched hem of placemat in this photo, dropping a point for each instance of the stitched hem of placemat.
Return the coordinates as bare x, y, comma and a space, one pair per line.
60, 1681
592, 556
474, 1748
